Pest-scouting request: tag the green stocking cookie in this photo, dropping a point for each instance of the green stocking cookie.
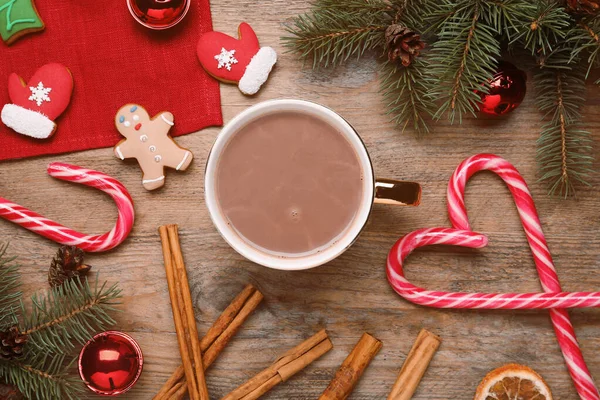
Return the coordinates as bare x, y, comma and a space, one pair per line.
18, 18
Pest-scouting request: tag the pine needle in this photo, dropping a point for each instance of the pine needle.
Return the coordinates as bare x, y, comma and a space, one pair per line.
9, 285
405, 92
563, 147
35, 383
331, 34
585, 41
463, 48
462, 60
543, 27
68, 314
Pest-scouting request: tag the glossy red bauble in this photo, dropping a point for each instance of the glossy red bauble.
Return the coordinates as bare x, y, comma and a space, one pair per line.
159, 14
110, 363
507, 90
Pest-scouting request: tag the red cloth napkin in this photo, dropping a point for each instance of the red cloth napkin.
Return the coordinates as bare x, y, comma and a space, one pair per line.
114, 61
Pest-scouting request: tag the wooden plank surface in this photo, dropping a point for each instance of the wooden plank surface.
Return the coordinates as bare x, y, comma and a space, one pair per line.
349, 295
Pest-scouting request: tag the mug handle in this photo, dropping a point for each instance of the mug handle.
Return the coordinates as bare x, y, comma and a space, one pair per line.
388, 191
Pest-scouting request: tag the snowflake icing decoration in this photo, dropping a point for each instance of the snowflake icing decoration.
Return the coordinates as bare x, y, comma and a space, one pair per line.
39, 94
226, 59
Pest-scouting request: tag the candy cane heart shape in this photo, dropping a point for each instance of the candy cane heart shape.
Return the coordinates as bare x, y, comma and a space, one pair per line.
460, 234
63, 235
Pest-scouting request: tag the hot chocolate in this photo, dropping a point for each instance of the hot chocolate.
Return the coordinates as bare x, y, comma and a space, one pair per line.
289, 183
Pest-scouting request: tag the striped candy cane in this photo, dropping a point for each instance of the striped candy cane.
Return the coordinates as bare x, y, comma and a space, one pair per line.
63, 235
553, 297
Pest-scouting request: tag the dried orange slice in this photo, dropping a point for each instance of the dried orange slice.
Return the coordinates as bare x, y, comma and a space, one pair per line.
513, 382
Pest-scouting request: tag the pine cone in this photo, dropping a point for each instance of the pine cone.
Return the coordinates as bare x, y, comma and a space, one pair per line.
67, 264
403, 43
11, 343
583, 7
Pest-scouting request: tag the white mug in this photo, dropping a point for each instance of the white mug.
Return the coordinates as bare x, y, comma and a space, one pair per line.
374, 190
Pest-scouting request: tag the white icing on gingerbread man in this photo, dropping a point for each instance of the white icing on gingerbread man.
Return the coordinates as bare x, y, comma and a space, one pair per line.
148, 141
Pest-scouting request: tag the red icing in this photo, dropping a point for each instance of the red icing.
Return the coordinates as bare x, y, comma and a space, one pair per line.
54, 76
245, 47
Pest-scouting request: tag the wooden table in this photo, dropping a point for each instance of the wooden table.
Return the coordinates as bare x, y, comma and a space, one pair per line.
351, 294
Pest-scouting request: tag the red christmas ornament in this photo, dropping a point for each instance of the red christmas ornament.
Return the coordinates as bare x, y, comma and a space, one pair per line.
110, 363
159, 14
507, 90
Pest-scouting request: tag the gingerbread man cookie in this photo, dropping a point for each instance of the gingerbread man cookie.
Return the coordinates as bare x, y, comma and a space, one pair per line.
148, 141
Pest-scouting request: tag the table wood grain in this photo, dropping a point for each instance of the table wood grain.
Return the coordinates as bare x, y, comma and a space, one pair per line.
350, 295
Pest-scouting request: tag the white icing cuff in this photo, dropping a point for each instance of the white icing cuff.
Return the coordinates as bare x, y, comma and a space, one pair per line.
27, 122
258, 70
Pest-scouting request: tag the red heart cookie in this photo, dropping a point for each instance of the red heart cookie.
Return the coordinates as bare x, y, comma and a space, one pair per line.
461, 235
37, 103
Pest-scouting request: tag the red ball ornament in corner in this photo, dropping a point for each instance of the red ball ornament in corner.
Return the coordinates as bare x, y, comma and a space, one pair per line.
507, 90
110, 363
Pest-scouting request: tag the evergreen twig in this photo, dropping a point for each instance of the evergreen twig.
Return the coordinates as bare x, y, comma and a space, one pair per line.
41, 381
331, 34
464, 39
9, 285
563, 147
405, 92
462, 60
68, 314
544, 26
585, 40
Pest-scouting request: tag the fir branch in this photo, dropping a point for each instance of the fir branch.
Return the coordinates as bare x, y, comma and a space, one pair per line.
9, 285
506, 16
360, 6
543, 27
585, 41
39, 383
331, 35
563, 147
426, 16
71, 312
462, 61
405, 92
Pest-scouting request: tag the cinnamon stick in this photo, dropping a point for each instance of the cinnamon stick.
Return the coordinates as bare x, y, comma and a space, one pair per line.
223, 339
177, 376
227, 316
180, 394
219, 334
177, 317
188, 310
183, 313
352, 368
283, 368
176, 388
416, 364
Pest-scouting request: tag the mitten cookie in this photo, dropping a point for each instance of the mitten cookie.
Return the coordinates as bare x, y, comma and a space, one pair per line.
38, 103
240, 61
18, 18
148, 141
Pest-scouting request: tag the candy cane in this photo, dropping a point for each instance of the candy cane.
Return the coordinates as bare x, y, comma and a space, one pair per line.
63, 235
461, 235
